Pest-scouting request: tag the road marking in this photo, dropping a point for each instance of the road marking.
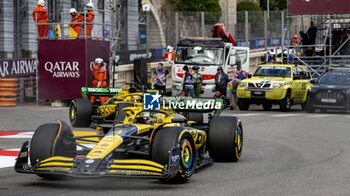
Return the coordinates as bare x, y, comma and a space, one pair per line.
285, 115
7, 161
8, 156
5, 133
250, 114
16, 135
49, 109
29, 134
320, 115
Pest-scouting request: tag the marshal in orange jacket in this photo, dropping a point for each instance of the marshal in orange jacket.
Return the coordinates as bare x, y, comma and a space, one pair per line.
77, 18
89, 18
41, 16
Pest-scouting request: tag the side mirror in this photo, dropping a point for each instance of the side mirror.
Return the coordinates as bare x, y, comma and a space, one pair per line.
313, 81
249, 75
232, 60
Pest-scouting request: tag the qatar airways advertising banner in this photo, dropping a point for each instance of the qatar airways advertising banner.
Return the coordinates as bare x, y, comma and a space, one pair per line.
313, 7
65, 66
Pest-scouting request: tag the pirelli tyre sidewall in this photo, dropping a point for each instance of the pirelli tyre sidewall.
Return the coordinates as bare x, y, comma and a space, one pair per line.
225, 138
167, 138
51, 140
80, 112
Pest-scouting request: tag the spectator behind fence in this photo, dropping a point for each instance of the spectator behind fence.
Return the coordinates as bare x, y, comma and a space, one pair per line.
221, 80
234, 83
304, 38
198, 79
312, 33
40, 16
161, 74
76, 22
344, 40
188, 82
295, 40
89, 18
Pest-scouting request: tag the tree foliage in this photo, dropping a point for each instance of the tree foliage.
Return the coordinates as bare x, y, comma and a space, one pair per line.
206, 6
274, 4
248, 6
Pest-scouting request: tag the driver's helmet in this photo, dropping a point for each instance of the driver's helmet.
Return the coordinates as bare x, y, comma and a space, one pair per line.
148, 117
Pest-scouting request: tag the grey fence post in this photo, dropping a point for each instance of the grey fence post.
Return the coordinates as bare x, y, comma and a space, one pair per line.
148, 35
330, 39
246, 26
202, 24
265, 29
282, 30
176, 27
21, 92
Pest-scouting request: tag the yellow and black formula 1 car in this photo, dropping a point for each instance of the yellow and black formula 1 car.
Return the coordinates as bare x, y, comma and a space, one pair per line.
82, 113
160, 144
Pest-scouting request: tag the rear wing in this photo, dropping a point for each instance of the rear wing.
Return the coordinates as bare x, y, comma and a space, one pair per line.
188, 104
90, 91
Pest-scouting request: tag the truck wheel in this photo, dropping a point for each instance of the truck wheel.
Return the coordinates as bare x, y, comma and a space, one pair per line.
243, 105
225, 138
167, 138
267, 106
50, 140
80, 112
286, 103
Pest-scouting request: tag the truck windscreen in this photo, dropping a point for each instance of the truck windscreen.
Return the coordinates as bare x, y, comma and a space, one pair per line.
199, 55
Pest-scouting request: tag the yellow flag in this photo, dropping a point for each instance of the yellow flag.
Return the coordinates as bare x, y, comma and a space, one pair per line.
72, 33
58, 31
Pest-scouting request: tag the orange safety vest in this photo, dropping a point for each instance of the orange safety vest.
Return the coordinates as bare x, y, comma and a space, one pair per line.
99, 73
77, 19
40, 15
295, 42
167, 53
89, 18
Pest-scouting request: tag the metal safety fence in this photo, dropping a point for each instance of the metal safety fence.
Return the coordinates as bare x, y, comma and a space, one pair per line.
99, 29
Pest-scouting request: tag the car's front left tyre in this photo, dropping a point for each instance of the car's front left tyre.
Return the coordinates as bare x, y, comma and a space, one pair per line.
51, 140
166, 139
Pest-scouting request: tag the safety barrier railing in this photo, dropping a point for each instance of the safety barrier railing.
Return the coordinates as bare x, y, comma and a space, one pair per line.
316, 57
99, 29
8, 92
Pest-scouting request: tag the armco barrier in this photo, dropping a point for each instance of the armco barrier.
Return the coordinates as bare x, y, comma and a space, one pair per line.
8, 92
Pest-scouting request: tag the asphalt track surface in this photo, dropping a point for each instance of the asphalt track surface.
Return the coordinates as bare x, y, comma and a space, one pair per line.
292, 153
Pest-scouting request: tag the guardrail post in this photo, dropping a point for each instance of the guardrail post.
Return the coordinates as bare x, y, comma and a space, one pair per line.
246, 26
148, 40
265, 29
202, 24
176, 27
283, 34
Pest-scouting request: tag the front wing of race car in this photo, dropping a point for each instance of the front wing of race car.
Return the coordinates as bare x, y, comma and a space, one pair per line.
83, 167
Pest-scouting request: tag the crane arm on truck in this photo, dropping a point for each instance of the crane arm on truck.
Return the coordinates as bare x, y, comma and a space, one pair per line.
219, 30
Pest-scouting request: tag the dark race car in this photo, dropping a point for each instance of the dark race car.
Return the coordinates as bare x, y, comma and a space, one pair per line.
165, 144
330, 92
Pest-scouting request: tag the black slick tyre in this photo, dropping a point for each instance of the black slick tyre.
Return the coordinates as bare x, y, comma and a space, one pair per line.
80, 112
48, 141
167, 138
243, 105
225, 138
267, 106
